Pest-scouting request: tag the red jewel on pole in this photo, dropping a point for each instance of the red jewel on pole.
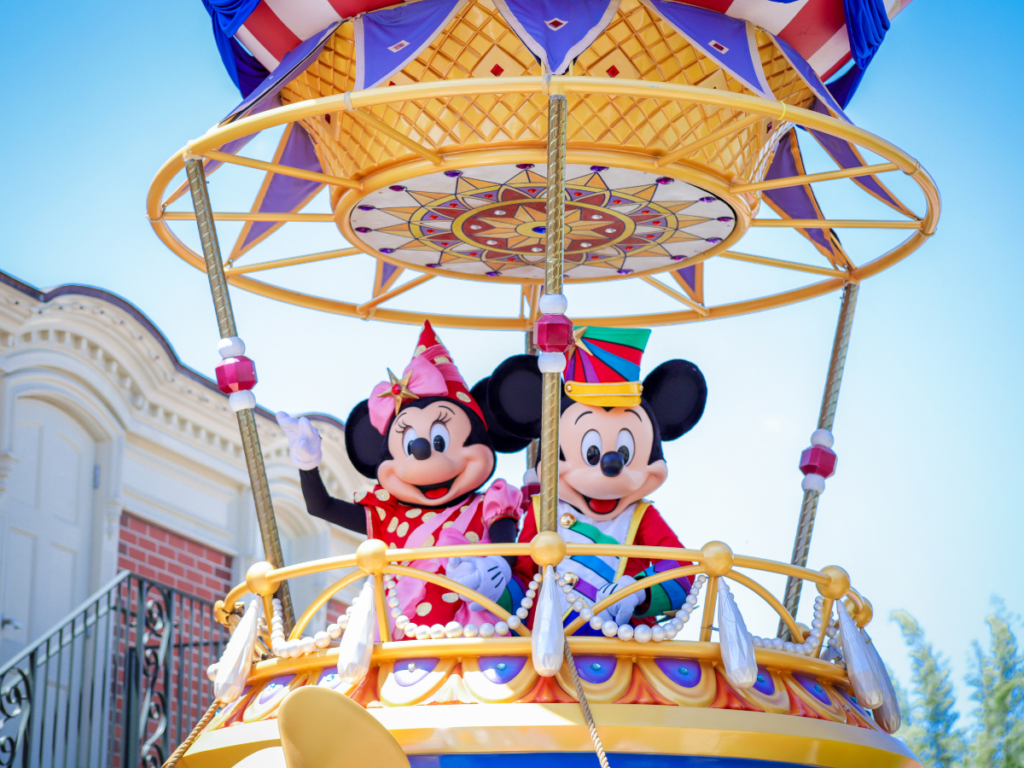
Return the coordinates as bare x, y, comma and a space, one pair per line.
818, 460
553, 333
235, 374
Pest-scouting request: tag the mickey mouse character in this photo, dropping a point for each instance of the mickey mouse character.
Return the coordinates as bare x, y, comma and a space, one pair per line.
611, 432
430, 444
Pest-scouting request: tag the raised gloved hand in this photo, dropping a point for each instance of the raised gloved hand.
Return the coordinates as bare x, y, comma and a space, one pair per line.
303, 441
622, 611
487, 575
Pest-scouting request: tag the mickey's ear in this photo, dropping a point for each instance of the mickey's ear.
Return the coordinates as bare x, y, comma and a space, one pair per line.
677, 393
362, 441
514, 395
502, 440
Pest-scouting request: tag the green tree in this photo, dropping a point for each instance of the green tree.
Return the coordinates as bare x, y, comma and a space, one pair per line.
997, 679
930, 721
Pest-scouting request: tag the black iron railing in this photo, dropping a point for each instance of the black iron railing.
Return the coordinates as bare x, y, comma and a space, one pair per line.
118, 683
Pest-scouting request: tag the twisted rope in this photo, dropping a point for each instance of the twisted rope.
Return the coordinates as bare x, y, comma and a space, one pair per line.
177, 754
826, 417
246, 419
585, 705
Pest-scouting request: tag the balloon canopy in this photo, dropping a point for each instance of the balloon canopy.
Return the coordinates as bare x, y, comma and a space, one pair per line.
428, 122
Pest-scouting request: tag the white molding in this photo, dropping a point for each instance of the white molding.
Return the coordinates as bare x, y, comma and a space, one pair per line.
99, 362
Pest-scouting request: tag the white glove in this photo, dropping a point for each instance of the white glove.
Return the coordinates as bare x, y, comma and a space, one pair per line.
303, 441
487, 575
622, 611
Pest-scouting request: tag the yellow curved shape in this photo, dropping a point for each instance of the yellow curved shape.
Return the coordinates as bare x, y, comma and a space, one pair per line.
625, 728
573, 87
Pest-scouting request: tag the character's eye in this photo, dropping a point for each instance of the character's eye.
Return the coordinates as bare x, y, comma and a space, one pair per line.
592, 448
407, 437
624, 445
439, 438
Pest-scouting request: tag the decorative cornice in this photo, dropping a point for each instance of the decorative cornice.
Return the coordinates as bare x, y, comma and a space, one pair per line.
185, 380
137, 315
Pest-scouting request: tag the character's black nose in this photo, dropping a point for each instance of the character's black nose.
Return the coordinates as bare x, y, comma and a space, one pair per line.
611, 463
420, 448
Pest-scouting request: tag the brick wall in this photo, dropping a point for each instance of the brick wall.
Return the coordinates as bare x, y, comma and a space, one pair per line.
158, 554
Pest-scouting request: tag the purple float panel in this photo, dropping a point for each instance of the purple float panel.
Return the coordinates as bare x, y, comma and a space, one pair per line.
689, 276
727, 40
266, 95
388, 39
409, 672
294, 63
386, 271
846, 155
286, 194
797, 202
809, 76
557, 31
501, 669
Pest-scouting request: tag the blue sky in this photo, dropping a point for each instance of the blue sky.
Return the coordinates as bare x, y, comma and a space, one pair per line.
925, 511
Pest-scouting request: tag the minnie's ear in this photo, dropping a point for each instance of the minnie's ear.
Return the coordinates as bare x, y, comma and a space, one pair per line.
502, 440
677, 393
514, 396
362, 441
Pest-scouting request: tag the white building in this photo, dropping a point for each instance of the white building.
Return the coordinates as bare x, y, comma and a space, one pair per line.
114, 455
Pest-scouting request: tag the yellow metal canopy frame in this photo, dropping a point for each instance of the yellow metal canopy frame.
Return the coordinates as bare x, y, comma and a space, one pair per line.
744, 198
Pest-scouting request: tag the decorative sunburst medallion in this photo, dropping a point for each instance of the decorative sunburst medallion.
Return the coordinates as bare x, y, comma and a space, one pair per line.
493, 221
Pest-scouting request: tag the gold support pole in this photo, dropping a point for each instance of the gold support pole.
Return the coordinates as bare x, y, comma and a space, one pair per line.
246, 417
555, 241
805, 527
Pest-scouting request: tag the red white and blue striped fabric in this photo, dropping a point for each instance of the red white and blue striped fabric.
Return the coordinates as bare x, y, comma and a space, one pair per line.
815, 28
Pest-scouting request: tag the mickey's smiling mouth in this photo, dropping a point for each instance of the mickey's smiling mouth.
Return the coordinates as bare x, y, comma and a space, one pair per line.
601, 506
437, 490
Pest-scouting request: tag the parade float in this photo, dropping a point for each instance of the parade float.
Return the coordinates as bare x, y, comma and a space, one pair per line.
527, 145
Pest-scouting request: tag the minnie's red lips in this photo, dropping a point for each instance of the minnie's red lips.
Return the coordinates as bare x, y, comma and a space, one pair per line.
436, 493
602, 506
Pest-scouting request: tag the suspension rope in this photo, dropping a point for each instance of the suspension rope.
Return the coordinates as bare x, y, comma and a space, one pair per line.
177, 754
585, 706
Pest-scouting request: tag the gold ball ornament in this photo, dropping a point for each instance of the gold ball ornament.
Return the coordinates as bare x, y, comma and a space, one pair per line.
371, 556
862, 616
220, 613
547, 548
838, 583
258, 580
716, 557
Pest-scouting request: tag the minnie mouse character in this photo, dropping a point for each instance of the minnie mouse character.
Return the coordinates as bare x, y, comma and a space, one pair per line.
610, 434
430, 444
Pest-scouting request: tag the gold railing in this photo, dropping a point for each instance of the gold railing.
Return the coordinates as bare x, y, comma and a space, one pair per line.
715, 560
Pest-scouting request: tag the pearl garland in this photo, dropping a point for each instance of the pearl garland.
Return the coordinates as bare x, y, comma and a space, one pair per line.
642, 634
805, 648
450, 630
290, 649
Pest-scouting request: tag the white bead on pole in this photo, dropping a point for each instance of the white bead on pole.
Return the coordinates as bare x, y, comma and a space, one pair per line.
232, 346
551, 362
356, 649
888, 714
241, 400
822, 437
236, 662
553, 304
548, 639
858, 664
813, 482
735, 641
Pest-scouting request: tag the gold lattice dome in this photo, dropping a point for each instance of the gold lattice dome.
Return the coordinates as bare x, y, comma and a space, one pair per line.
484, 214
